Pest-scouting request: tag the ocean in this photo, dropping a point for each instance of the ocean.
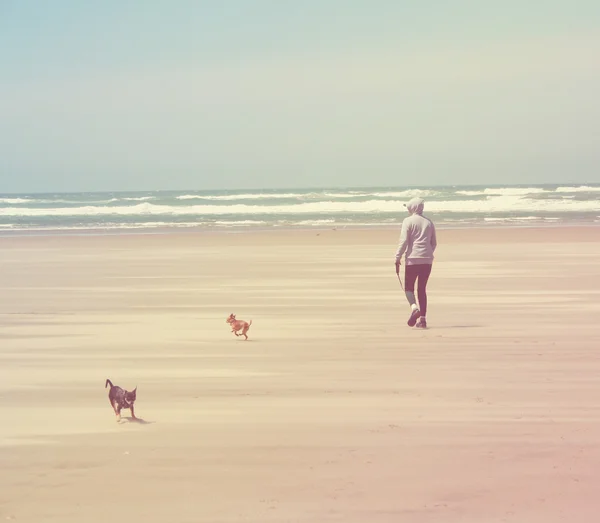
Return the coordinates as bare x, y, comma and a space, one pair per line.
452, 206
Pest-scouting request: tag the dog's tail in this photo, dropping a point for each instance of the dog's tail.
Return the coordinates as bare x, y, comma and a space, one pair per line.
108, 382
249, 323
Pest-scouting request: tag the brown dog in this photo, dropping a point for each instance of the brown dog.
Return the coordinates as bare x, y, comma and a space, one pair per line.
121, 399
237, 325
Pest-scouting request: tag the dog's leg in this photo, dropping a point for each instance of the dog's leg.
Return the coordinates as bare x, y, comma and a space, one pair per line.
118, 411
132, 413
114, 407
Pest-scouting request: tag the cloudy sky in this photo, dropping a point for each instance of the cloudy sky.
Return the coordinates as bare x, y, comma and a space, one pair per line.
145, 95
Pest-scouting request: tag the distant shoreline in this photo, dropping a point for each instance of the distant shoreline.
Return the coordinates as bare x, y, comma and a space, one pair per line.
202, 230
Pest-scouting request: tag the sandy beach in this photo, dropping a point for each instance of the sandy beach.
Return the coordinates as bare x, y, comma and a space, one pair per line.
333, 410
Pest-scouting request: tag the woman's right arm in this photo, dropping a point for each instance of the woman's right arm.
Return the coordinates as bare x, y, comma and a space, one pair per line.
403, 243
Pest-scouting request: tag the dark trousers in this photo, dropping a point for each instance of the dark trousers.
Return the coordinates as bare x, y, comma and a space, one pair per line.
412, 273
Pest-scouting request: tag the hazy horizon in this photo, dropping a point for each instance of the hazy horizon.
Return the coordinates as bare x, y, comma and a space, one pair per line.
577, 184
250, 95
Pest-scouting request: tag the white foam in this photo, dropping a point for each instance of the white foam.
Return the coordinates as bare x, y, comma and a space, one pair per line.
239, 222
309, 196
525, 191
142, 225
13, 201
95, 202
512, 204
411, 193
321, 195
271, 196
504, 191
314, 222
230, 197
582, 188
514, 191
490, 205
106, 226
513, 219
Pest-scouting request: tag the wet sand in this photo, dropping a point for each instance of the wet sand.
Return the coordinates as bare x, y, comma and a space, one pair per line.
333, 410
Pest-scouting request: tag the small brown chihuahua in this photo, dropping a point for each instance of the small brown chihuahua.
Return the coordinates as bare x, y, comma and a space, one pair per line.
237, 325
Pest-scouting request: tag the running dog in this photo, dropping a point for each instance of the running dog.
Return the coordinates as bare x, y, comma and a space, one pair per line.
237, 325
121, 399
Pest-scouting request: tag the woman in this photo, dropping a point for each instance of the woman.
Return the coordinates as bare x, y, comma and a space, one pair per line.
418, 241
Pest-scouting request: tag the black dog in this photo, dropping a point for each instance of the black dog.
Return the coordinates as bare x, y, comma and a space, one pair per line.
120, 399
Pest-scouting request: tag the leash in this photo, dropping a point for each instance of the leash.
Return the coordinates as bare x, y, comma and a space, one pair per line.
398, 274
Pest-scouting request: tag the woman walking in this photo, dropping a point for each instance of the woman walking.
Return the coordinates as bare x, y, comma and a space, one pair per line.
418, 242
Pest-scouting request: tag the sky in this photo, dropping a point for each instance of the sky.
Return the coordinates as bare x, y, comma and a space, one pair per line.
151, 95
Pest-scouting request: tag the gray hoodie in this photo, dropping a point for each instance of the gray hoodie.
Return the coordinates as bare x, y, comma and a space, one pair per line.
417, 237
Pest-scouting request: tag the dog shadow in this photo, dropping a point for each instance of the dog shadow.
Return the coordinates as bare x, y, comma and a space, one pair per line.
139, 421
444, 327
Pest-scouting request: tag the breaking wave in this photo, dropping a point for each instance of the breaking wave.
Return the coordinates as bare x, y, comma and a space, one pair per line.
497, 204
462, 206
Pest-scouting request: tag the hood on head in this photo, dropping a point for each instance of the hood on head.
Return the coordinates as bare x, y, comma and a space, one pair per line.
415, 206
